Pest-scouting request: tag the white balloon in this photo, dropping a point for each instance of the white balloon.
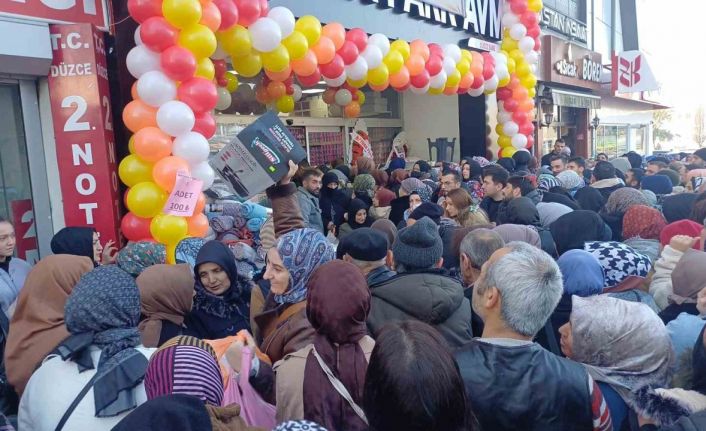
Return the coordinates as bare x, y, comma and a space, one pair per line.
518, 31
343, 97
422, 90
510, 128
266, 34
453, 51
510, 19
358, 69
138, 38
203, 172
284, 19
439, 80
224, 99
532, 57
175, 118
155, 88
141, 60
192, 147
526, 44
491, 84
519, 141
504, 117
499, 57
475, 92
502, 74
336, 82
220, 53
381, 41
297, 92
449, 65
372, 55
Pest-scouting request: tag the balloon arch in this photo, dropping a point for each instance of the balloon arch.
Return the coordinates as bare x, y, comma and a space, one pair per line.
180, 63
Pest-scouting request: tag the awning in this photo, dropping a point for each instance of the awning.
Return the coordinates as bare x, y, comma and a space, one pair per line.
574, 99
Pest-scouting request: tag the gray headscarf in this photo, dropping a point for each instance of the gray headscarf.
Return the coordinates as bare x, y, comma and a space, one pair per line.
516, 232
622, 343
549, 212
622, 164
622, 199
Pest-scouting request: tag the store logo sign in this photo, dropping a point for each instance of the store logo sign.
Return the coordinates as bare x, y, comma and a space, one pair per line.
563, 24
632, 73
88, 11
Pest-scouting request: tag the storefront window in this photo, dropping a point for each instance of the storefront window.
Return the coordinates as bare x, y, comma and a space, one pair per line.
622, 142
638, 139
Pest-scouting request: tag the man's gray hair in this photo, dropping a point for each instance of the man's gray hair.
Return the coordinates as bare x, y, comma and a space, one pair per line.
480, 244
530, 285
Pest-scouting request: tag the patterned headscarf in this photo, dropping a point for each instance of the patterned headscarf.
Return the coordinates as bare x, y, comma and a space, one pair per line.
398, 175
364, 183
187, 340
546, 182
104, 310
619, 261
302, 251
570, 180
188, 249
622, 199
184, 369
138, 256
412, 184
643, 222
482, 161
424, 193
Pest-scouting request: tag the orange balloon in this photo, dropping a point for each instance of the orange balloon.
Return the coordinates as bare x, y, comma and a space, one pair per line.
520, 93
514, 83
379, 88
198, 225
419, 47
152, 144
336, 32
324, 50
526, 105
477, 69
279, 76
415, 64
400, 79
165, 171
276, 89
200, 204
477, 59
352, 110
466, 80
329, 96
210, 16
450, 91
305, 66
262, 95
133, 91
138, 115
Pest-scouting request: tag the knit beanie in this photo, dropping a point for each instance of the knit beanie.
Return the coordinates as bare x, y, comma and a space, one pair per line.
430, 210
701, 153
418, 246
658, 184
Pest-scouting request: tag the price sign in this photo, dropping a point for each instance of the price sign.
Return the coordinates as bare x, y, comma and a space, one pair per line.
183, 199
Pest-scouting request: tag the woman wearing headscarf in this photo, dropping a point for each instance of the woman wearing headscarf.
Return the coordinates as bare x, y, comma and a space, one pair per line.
420, 168
338, 302
358, 216
364, 165
549, 212
382, 204
83, 241
570, 181
102, 353
167, 294
396, 178
688, 279
222, 297
364, 188
641, 228
516, 232
471, 180
38, 325
617, 205
332, 201
508, 163
678, 207
188, 249
138, 256
624, 347
568, 236
590, 199
381, 177
522, 211
410, 185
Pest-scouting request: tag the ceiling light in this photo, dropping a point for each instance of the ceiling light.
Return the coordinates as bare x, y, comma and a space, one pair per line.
313, 91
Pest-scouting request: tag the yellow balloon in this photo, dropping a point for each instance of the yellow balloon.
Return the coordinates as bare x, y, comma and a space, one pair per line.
198, 39
535, 5
171, 253
169, 229
436, 91
276, 60
511, 65
508, 44
517, 55
402, 47
296, 45
523, 69
529, 81
394, 61
463, 66
379, 76
467, 55
182, 13
508, 151
134, 170
205, 69
310, 27
499, 129
532, 92
236, 41
285, 104
233, 83
357, 84
504, 141
146, 199
131, 145
248, 66
504, 82
453, 79
361, 97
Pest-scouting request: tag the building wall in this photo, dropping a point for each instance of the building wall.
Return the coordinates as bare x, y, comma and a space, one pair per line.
433, 117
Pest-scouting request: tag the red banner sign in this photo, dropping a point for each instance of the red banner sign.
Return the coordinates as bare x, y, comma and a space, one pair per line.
83, 129
25, 231
89, 11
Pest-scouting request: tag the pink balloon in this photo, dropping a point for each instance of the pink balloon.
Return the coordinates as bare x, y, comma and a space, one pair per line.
311, 80
504, 93
534, 31
488, 71
478, 82
519, 117
435, 49
529, 19
334, 69
530, 142
229, 13
434, 65
249, 11
157, 34
421, 80
527, 128
519, 7
199, 93
349, 52
178, 63
511, 105
359, 37
205, 124
264, 8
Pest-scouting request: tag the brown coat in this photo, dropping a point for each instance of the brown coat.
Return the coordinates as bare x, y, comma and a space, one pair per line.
286, 213
228, 419
290, 380
284, 329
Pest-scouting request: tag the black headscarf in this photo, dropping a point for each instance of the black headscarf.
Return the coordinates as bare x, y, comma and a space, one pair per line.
590, 199
476, 171
332, 202
355, 206
182, 412
678, 207
522, 159
77, 241
508, 163
423, 166
521, 211
572, 230
345, 169
560, 196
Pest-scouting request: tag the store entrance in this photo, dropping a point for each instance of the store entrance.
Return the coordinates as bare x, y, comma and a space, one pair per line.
566, 125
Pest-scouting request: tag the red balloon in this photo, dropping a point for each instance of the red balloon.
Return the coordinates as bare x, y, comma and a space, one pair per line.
220, 67
205, 124
534, 31
519, 117
178, 63
511, 105
504, 93
311, 80
157, 34
404, 88
488, 59
537, 44
519, 7
434, 65
222, 82
530, 142
359, 37
349, 52
264, 8
488, 71
141, 10
135, 228
334, 69
478, 82
529, 19
249, 11
199, 93
527, 128
229, 13
421, 80
435, 49
290, 90
289, 81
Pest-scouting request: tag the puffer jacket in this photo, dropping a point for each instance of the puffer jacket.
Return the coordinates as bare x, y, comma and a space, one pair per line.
429, 296
661, 286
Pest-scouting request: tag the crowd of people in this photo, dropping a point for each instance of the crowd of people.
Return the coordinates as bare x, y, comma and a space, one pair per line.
522, 294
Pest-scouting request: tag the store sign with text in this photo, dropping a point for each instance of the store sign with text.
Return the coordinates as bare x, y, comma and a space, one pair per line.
571, 64
25, 231
83, 129
471, 16
562, 24
89, 11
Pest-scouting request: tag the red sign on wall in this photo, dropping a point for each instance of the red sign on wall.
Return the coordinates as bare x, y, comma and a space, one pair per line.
83, 129
89, 11
25, 231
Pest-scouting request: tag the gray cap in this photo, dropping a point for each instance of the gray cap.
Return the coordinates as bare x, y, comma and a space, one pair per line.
418, 246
